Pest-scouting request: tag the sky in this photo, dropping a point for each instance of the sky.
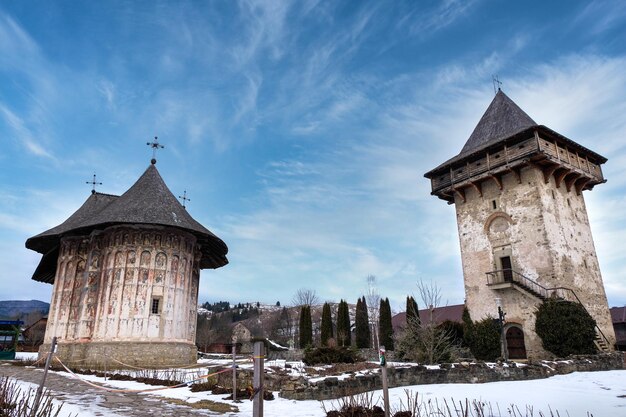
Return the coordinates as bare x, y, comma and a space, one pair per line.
300, 130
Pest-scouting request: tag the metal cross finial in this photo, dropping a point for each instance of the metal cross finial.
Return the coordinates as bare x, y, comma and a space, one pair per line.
496, 82
93, 183
184, 198
154, 145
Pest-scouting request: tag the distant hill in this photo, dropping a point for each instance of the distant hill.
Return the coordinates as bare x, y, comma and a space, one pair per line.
20, 309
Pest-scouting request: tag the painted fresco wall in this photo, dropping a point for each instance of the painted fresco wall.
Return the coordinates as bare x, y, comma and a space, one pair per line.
126, 284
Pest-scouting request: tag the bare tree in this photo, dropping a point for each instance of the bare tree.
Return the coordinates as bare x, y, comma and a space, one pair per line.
424, 340
373, 303
305, 297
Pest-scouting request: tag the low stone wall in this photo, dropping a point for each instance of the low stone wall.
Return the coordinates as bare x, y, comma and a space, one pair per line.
333, 387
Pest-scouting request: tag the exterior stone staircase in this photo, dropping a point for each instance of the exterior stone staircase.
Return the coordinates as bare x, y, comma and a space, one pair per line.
507, 278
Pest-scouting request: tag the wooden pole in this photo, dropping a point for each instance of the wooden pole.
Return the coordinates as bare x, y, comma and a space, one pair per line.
383, 365
234, 372
35, 406
259, 359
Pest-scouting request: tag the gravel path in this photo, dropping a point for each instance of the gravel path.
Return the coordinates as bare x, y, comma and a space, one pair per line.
100, 403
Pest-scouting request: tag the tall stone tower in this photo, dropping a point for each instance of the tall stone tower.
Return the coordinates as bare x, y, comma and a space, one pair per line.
125, 272
523, 227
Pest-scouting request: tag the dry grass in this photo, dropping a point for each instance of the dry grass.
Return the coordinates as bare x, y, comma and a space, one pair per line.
206, 405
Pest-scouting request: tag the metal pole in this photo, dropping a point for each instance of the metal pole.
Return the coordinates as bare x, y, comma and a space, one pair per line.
383, 365
259, 359
234, 372
503, 349
53, 346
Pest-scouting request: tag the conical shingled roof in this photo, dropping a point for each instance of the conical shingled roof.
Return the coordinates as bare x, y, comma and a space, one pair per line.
502, 119
95, 203
149, 202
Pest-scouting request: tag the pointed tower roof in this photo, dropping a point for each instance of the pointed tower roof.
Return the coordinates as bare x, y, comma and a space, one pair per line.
148, 202
502, 119
505, 140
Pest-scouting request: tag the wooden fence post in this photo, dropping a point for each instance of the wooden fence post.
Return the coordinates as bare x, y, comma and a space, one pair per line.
383, 366
259, 359
37, 399
234, 372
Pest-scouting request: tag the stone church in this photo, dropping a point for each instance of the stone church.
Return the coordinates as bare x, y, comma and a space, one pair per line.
523, 228
125, 272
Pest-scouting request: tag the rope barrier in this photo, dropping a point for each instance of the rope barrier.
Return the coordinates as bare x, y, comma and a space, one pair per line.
155, 368
138, 390
164, 367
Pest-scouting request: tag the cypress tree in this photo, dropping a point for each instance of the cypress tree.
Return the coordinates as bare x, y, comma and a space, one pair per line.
306, 328
468, 328
367, 322
344, 338
384, 325
412, 312
327, 325
362, 325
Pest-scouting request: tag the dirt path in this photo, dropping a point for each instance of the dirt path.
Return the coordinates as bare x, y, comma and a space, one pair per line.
101, 403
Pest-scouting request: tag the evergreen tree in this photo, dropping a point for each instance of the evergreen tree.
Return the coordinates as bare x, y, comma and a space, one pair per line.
344, 338
468, 328
565, 328
384, 325
412, 312
306, 327
327, 325
362, 325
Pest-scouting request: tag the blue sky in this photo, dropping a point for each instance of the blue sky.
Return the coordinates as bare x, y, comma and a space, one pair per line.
300, 130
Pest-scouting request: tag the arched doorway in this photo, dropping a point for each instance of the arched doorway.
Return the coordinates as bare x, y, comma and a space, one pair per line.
515, 343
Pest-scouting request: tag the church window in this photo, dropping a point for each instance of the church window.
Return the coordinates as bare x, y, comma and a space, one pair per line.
156, 304
494, 204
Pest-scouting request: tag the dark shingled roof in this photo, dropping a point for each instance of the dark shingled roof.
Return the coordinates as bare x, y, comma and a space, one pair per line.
45, 241
439, 315
502, 119
149, 202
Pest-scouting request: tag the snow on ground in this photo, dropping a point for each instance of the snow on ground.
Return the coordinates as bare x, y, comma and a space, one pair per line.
26, 356
599, 393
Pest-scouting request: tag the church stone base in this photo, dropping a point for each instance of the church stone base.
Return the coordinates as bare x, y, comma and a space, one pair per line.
123, 355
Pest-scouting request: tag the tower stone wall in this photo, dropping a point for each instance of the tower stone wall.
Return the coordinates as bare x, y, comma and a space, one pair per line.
544, 231
517, 187
126, 294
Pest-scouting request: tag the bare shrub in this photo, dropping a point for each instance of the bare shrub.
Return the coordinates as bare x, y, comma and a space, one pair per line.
15, 402
365, 405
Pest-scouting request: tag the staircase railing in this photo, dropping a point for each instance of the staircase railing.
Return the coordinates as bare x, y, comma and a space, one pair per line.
502, 276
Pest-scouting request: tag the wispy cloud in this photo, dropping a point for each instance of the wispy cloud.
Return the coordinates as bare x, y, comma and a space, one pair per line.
424, 22
21, 133
602, 15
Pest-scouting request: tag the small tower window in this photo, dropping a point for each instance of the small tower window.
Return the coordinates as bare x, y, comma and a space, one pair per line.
553, 195
569, 204
494, 204
156, 305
